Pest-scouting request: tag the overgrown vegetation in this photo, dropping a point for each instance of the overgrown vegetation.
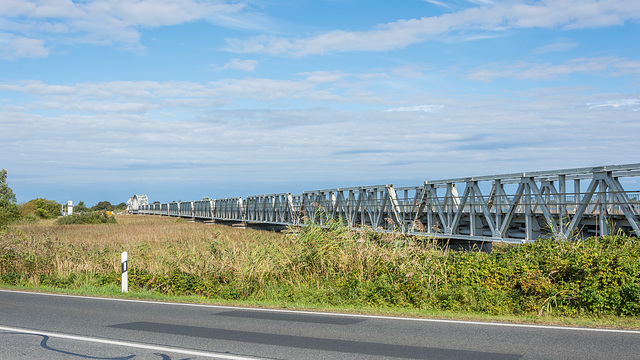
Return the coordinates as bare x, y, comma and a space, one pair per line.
106, 206
40, 209
87, 218
8, 208
332, 267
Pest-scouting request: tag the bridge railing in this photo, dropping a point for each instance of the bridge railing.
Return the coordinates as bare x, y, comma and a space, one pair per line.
272, 209
174, 209
538, 206
231, 209
186, 209
203, 209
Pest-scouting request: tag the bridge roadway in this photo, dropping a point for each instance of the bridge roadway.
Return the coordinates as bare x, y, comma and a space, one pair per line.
516, 208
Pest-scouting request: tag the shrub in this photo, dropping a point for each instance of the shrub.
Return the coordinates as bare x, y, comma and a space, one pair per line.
87, 218
42, 208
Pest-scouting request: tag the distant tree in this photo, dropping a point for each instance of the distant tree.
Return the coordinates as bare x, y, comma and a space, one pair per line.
120, 207
81, 207
9, 210
102, 206
41, 208
28, 209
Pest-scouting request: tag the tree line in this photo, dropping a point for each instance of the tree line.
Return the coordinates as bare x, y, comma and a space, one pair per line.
40, 208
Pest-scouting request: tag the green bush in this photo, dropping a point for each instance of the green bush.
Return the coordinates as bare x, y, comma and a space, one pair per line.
87, 218
41, 208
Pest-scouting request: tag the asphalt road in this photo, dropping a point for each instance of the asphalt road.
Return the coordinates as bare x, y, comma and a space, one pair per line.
44, 326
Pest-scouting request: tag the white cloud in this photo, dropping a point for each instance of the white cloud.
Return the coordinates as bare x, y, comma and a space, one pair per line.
323, 76
14, 47
106, 21
438, 3
482, 2
146, 96
261, 89
561, 45
472, 22
36, 87
633, 103
118, 131
451, 4
605, 66
322, 145
237, 64
423, 108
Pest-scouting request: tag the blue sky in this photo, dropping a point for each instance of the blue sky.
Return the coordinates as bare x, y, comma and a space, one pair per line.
100, 100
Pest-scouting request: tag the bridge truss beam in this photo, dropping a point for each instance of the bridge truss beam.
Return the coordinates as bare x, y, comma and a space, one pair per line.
518, 208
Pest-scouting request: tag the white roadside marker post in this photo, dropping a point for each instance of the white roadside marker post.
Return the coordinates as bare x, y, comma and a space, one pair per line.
125, 280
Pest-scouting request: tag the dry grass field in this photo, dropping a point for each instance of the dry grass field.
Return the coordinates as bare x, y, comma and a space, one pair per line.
154, 244
335, 266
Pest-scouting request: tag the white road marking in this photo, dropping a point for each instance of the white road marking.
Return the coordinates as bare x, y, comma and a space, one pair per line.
532, 326
127, 344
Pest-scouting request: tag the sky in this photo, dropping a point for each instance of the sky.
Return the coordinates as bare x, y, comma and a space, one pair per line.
181, 99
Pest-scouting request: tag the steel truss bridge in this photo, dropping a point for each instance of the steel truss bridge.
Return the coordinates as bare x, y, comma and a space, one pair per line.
516, 208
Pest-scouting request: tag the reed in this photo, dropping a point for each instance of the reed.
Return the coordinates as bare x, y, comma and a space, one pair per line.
331, 266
